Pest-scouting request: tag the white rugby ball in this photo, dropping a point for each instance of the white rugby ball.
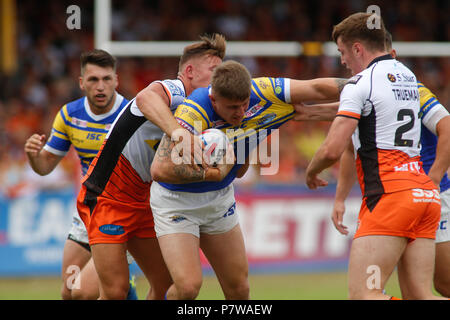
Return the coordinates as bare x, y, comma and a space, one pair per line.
215, 144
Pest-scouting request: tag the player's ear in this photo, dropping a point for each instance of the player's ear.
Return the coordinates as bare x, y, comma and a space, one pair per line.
393, 53
189, 71
80, 80
356, 48
213, 100
116, 78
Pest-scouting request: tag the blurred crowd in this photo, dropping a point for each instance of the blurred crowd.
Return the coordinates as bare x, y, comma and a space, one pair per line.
48, 62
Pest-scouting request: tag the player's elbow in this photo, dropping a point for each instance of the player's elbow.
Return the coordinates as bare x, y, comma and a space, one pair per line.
156, 172
331, 154
141, 97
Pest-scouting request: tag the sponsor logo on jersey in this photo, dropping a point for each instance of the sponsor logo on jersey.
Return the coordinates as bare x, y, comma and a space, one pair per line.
253, 110
262, 84
391, 77
218, 123
185, 125
410, 166
177, 218
266, 118
79, 123
112, 229
174, 90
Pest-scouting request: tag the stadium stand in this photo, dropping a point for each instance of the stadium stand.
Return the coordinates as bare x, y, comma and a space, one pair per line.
48, 65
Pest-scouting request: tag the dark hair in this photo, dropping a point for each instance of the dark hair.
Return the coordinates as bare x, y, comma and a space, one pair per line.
355, 28
231, 80
214, 45
97, 57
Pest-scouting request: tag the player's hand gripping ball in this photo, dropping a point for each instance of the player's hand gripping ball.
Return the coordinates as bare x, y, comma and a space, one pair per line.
215, 144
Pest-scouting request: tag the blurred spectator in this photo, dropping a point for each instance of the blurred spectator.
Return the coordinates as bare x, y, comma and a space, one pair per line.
48, 53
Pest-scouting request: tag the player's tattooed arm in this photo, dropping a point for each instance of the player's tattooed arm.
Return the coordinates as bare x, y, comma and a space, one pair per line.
316, 90
164, 149
341, 83
168, 166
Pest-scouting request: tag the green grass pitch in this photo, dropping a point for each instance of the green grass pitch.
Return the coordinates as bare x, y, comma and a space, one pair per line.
295, 286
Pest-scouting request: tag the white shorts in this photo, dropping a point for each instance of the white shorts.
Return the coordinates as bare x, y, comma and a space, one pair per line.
443, 231
212, 212
78, 230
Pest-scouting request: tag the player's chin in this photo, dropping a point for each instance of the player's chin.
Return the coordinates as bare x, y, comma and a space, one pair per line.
235, 121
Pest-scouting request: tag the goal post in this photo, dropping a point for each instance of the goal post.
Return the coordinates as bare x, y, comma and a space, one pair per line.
103, 40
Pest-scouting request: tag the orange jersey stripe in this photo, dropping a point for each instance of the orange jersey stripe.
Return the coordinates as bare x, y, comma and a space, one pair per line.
349, 114
125, 184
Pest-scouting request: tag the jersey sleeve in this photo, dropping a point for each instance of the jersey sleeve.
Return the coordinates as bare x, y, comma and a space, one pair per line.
431, 110
191, 116
429, 104
274, 90
352, 100
174, 92
59, 142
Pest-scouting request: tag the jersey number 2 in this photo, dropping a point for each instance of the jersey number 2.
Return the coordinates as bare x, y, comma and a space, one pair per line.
399, 141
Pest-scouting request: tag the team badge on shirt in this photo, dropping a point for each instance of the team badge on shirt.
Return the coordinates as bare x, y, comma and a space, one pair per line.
391, 77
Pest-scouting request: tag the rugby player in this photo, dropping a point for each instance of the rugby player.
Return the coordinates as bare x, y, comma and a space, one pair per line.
82, 123
196, 209
114, 200
400, 210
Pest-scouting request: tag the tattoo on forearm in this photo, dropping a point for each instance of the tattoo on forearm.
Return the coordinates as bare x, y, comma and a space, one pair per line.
164, 149
183, 171
341, 84
188, 173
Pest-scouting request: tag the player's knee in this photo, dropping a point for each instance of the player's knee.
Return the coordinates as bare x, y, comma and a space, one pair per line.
83, 295
240, 291
360, 294
66, 294
442, 285
116, 291
188, 290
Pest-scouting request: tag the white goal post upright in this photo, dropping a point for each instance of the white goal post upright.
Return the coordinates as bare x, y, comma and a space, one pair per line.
102, 34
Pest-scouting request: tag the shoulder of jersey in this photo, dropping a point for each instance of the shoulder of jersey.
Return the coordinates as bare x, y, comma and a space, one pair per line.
423, 91
175, 86
200, 95
74, 106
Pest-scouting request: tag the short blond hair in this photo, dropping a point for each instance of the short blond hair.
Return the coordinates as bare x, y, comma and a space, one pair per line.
214, 45
232, 80
354, 28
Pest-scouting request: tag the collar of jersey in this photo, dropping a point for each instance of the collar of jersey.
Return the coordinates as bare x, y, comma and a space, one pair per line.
380, 58
99, 117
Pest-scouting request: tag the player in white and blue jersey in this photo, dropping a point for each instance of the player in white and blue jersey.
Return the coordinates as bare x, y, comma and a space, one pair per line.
196, 209
433, 113
82, 123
